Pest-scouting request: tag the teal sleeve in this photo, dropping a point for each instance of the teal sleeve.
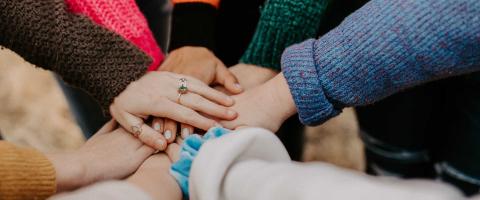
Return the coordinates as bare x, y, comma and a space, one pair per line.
283, 23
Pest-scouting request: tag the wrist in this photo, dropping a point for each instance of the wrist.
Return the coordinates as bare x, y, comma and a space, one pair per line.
285, 104
69, 171
158, 187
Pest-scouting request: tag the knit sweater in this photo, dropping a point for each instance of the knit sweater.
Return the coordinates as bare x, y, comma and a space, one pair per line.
283, 23
84, 54
25, 174
124, 18
382, 48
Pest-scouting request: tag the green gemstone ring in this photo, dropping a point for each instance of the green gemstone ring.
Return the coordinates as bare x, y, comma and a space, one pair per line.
183, 89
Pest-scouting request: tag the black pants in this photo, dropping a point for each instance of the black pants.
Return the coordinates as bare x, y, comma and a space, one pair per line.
432, 131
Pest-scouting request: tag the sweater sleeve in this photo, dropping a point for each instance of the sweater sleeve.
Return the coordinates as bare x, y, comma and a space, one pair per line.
384, 47
82, 53
283, 23
25, 174
253, 164
193, 23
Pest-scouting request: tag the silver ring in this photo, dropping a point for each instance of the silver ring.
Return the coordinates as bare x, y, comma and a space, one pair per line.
183, 89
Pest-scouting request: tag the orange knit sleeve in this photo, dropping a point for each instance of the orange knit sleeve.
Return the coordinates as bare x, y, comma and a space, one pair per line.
214, 3
25, 173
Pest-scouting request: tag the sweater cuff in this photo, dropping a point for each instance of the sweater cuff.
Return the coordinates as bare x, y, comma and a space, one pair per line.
193, 24
283, 23
26, 173
298, 66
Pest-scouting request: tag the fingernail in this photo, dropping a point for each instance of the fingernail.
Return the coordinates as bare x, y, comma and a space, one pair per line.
167, 134
231, 113
185, 133
156, 126
217, 125
237, 85
160, 144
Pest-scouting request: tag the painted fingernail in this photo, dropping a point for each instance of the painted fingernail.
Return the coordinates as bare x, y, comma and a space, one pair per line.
156, 126
185, 133
167, 134
160, 144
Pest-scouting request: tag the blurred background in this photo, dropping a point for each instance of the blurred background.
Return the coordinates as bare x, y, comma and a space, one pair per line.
34, 112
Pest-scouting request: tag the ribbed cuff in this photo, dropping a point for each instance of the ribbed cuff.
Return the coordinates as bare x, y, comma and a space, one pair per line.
283, 23
298, 66
25, 174
193, 24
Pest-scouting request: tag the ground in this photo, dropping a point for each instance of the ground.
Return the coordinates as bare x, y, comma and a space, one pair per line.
34, 112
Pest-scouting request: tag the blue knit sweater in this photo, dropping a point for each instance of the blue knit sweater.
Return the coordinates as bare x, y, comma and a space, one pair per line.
382, 48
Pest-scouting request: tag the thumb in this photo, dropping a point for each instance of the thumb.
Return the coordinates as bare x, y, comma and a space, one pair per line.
226, 78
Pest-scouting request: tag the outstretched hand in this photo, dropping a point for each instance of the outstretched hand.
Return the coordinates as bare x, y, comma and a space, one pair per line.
157, 94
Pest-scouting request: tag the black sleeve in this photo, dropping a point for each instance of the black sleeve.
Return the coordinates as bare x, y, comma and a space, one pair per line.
193, 24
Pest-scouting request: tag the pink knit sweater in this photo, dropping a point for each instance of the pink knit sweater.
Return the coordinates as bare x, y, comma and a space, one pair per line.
124, 18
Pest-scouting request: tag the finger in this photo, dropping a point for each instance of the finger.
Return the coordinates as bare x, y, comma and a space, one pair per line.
226, 78
211, 94
157, 124
179, 141
135, 124
186, 130
170, 130
181, 114
198, 103
173, 152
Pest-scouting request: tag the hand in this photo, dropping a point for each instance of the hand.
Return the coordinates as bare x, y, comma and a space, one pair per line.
266, 106
156, 94
250, 76
200, 63
154, 177
109, 154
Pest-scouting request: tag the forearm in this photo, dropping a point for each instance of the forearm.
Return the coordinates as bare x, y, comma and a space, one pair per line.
283, 23
25, 173
193, 23
382, 48
70, 172
84, 54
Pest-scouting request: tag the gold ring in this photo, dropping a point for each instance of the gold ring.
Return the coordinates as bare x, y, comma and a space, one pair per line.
137, 129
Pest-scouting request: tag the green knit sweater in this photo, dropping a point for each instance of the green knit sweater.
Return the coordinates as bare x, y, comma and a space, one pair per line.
283, 23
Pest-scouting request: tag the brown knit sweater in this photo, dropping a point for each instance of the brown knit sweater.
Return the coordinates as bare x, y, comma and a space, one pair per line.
25, 174
85, 55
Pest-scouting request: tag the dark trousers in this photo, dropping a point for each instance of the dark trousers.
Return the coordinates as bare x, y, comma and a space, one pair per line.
430, 131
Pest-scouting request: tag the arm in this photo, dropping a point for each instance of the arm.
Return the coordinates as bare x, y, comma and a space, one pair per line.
193, 23
25, 173
384, 47
253, 164
281, 24
84, 54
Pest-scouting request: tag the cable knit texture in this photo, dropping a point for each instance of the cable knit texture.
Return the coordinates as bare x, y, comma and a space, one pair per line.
124, 18
382, 48
25, 174
283, 23
84, 54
